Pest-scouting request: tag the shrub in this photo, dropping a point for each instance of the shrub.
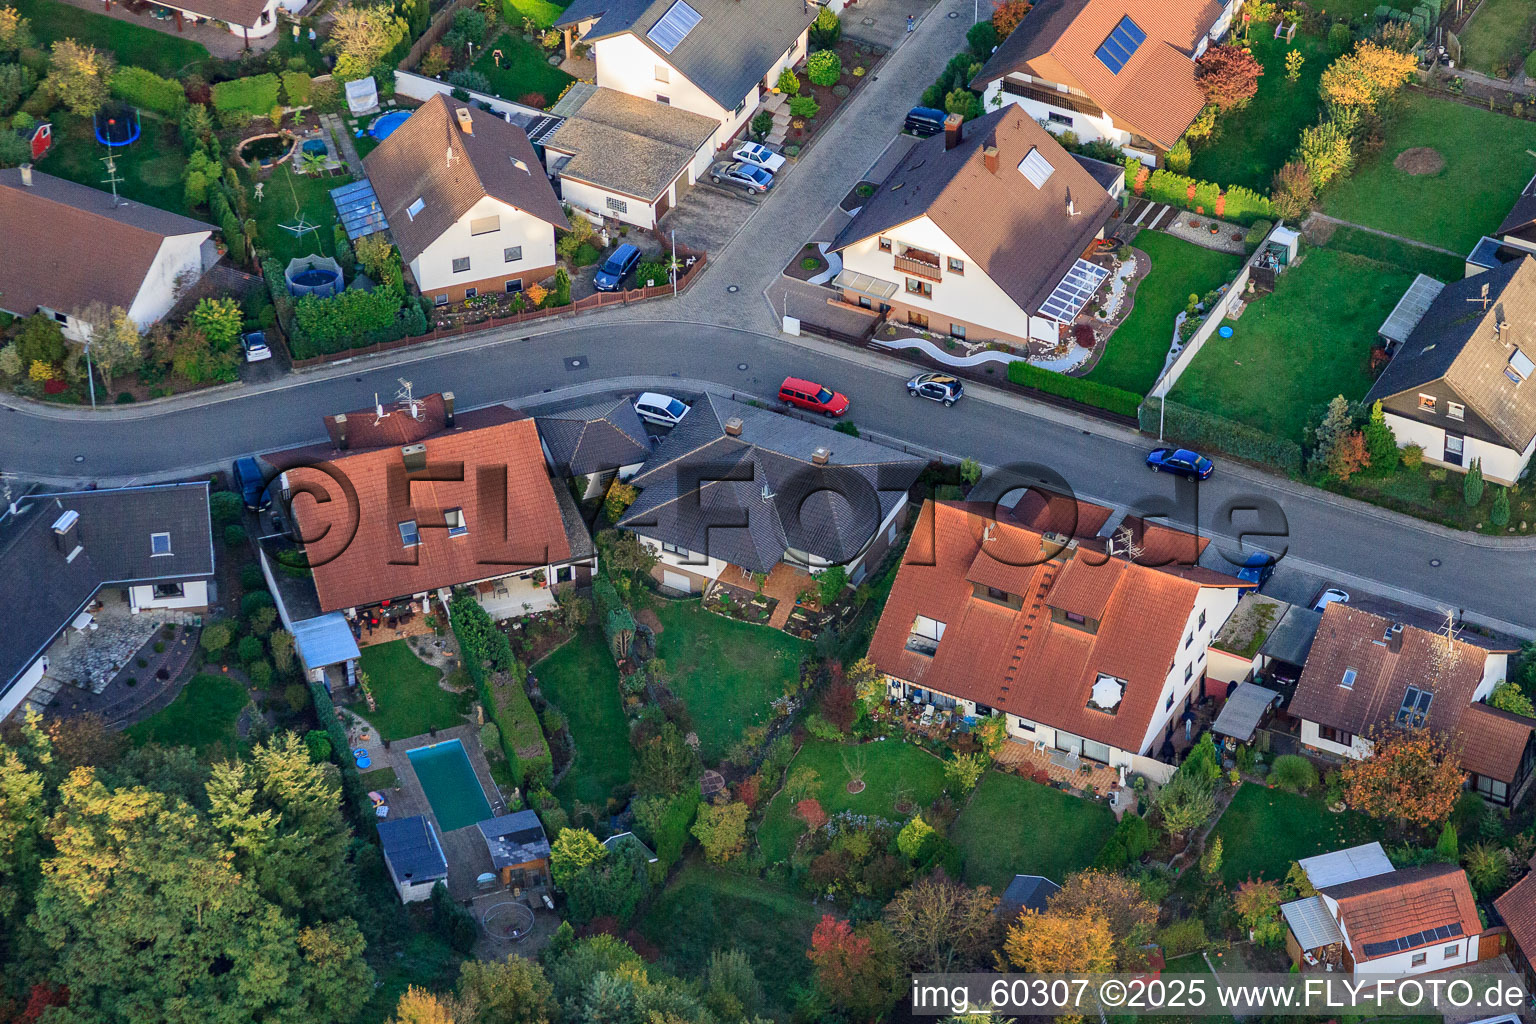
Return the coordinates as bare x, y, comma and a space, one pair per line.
1257, 232
249, 649
319, 745
826, 30
1339, 36
804, 106
762, 124
1102, 396
1498, 515
1184, 936
789, 84
1472, 486
260, 672
225, 507
296, 88
256, 95
234, 535
1412, 456
824, 67
254, 602
1293, 772
1178, 157
455, 924
1196, 428
471, 80
146, 89
981, 38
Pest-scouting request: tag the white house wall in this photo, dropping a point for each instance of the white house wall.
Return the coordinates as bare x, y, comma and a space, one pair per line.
1430, 438
1495, 671
1086, 127
589, 197
1216, 603
1400, 964
194, 594
25, 683
433, 269
1358, 750
695, 562
1501, 465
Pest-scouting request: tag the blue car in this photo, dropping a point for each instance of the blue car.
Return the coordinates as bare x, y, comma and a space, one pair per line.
610, 276
250, 483
1181, 462
1257, 568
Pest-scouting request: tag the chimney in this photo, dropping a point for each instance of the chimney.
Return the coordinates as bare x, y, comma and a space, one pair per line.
341, 431
447, 408
1071, 204
26, 175
989, 159
415, 456
465, 122
1394, 637
733, 427
954, 130
821, 456
66, 534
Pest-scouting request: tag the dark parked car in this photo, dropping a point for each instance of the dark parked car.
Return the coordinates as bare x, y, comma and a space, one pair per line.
610, 276
924, 121
251, 484
1257, 569
1181, 462
938, 387
742, 175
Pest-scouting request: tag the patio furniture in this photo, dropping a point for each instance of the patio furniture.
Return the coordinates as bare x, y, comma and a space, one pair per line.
1065, 759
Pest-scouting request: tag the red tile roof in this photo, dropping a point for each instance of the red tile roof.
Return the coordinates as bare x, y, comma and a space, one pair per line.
514, 527
1518, 909
1382, 908
1492, 742
1019, 660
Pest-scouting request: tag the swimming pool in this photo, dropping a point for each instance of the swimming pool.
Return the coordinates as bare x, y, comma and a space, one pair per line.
386, 123
445, 774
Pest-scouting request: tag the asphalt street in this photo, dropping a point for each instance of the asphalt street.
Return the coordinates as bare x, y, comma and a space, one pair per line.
1323, 536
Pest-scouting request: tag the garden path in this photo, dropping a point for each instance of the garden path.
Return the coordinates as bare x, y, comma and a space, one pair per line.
1315, 216
338, 129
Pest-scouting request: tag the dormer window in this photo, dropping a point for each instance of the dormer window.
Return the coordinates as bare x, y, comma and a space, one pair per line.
1415, 707
159, 544
457, 526
1520, 366
1107, 693
925, 635
409, 535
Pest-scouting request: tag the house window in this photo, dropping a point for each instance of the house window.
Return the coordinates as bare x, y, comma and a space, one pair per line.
663, 99
511, 254
564, 574
1056, 117
1189, 640
917, 319
662, 74
1453, 951
616, 205
1201, 623
957, 331
61, 318
1096, 751
1074, 617
1419, 959
673, 549
1427, 403
484, 225
1455, 411
454, 518
1026, 725
885, 244
415, 208
956, 266
409, 535
514, 286
740, 106
1332, 735
1348, 682
170, 590
470, 293
439, 300
461, 264
159, 544
1189, 672
1493, 789
1415, 707
919, 287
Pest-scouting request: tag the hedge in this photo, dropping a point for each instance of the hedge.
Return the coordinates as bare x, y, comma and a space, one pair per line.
296, 88
506, 703
1102, 396
351, 782
1240, 205
256, 95
1198, 428
148, 90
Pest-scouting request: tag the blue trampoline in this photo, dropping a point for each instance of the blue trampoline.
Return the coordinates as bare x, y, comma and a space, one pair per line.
385, 124
117, 126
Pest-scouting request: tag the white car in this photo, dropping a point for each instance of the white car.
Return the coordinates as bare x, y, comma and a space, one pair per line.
255, 345
663, 410
759, 155
1330, 596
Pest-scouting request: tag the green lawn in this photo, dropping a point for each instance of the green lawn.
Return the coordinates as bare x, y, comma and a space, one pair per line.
1498, 37
1264, 830
524, 69
1416, 493
380, 778
541, 11
707, 909
581, 680
1486, 165
1258, 139
1013, 826
202, 716
149, 170
1296, 349
1415, 258
131, 43
1137, 349
726, 672
889, 767
310, 193
405, 688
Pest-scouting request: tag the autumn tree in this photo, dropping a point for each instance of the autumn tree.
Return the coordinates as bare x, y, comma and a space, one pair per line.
573, 851
939, 925
1366, 77
512, 990
868, 682
85, 741
722, 830
856, 970
1508, 696
419, 1006
1052, 943
79, 76
1411, 775
15, 31
1338, 447
23, 815
809, 811
362, 36
1007, 14
1228, 75
1257, 902
1114, 898
1292, 192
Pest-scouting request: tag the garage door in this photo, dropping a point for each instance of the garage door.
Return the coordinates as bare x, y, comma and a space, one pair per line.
677, 581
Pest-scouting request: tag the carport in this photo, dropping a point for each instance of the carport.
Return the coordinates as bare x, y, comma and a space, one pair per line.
1240, 715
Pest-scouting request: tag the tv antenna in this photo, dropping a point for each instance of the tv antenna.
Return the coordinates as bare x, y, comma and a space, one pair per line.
407, 401
379, 415
112, 177
1482, 297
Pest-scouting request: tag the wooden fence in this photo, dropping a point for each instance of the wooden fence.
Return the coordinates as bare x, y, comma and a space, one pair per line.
438, 28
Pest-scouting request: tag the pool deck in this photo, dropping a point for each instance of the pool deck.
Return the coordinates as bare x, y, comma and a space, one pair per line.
464, 848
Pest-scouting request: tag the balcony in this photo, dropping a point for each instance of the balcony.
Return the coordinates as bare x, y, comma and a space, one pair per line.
919, 264
1052, 97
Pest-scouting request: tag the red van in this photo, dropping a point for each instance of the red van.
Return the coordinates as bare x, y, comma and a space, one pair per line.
809, 395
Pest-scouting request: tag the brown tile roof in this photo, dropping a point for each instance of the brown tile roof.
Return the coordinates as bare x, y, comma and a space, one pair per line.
1019, 660
1348, 638
1518, 909
1405, 903
514, 529
1154, 94
1024, 238
430, 158
236, 12
66, 245
1493, 742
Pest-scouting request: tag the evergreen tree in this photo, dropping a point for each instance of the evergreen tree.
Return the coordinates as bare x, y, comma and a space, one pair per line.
1472, 487
1380, 442
1330, 434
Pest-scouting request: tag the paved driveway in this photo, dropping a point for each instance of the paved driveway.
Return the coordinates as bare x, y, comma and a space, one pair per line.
884, 22
708, 217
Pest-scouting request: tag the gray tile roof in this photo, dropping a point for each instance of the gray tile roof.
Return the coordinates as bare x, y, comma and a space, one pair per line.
43, 590
412, 851
749, 499
1026, 891
625, 143
514, 839
728, 52
1457, 342
594, 438
1521, 220
1024, 238
431, 158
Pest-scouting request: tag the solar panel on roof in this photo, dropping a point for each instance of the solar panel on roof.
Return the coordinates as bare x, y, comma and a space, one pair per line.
1122, 42
674, 26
